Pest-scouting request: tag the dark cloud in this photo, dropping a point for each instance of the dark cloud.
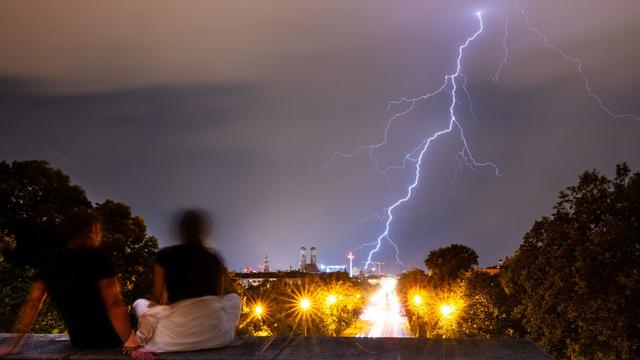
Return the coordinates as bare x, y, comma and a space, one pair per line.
234, 107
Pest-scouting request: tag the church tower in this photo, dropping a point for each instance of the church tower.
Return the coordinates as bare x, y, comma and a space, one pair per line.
303, 258
314, 255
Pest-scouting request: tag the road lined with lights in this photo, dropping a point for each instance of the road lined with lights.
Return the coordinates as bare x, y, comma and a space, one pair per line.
382, 316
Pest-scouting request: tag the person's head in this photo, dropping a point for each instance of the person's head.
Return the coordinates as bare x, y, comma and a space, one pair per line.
81, 228
194, 227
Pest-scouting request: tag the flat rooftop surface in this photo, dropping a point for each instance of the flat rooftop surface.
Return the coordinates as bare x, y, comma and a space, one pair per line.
306, 348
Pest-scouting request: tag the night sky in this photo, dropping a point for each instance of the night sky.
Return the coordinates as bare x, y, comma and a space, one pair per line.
234, 106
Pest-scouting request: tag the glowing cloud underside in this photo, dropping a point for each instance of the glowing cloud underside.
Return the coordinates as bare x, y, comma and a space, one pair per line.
451, 84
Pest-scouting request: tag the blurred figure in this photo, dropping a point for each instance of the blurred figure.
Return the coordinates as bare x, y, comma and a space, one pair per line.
188, 309
81, 281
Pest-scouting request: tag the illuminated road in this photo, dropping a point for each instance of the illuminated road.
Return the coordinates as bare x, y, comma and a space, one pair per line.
382, 316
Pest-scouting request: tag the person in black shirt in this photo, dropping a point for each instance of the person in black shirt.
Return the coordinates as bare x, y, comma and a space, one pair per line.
188, 309
188, 270
72, 278
81, 281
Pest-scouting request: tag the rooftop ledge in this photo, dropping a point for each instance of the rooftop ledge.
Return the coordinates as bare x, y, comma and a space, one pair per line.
57, 347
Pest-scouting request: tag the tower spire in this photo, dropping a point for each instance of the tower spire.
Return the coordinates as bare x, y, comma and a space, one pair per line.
266, 263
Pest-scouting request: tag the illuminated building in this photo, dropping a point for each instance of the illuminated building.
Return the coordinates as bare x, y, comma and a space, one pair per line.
333, 268
303, 259
311, 267
314, 255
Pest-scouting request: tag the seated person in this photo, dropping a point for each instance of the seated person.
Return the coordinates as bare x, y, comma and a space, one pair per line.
81, 280
189, 278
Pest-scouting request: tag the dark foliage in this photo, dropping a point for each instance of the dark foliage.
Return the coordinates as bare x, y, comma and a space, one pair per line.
448, 264
576, 276
488, 309
35, 198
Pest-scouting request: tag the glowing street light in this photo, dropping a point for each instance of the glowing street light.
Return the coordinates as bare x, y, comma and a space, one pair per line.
331, 299
447, 310
258, 310
305, 304
417, 300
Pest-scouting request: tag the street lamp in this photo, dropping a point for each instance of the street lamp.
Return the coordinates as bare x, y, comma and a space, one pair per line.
331, 299
417, 300
258, 310
447, 310
305, 304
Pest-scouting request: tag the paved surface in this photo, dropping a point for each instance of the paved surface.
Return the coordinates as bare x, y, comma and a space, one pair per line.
382, 316
301, 348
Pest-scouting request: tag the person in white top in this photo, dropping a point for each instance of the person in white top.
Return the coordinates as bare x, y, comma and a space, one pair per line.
188, 310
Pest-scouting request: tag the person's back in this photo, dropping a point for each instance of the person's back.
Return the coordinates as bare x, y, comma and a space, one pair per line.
71, 277
82, 282
197, 314
191, 271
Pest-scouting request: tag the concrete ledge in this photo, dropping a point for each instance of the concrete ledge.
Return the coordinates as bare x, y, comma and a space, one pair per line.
307, 348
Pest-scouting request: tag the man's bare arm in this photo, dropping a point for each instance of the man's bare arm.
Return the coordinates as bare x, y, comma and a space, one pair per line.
116, 307
27, 315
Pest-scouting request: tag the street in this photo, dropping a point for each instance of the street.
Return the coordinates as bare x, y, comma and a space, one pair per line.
382, 316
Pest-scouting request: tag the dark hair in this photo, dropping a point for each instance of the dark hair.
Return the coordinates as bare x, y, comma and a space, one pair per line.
194, 226
80, 225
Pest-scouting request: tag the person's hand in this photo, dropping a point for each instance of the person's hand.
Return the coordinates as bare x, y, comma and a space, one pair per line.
133, 343
142, 354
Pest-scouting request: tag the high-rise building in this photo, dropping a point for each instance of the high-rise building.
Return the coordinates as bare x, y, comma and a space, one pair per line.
303, 258
266, 263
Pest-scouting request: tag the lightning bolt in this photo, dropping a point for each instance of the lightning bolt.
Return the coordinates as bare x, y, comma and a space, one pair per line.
416, 155
579, 67
464, 156
503, 62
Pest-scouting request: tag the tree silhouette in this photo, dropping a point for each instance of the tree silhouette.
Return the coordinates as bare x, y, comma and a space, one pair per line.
34, 199
576, 276
448, 264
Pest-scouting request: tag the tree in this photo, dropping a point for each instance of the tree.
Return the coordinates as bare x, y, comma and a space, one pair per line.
448, 264
488, 309
34, 199
126, 236
423, 301
576, 276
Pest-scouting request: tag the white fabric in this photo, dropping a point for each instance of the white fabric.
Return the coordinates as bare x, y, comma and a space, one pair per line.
193, 324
